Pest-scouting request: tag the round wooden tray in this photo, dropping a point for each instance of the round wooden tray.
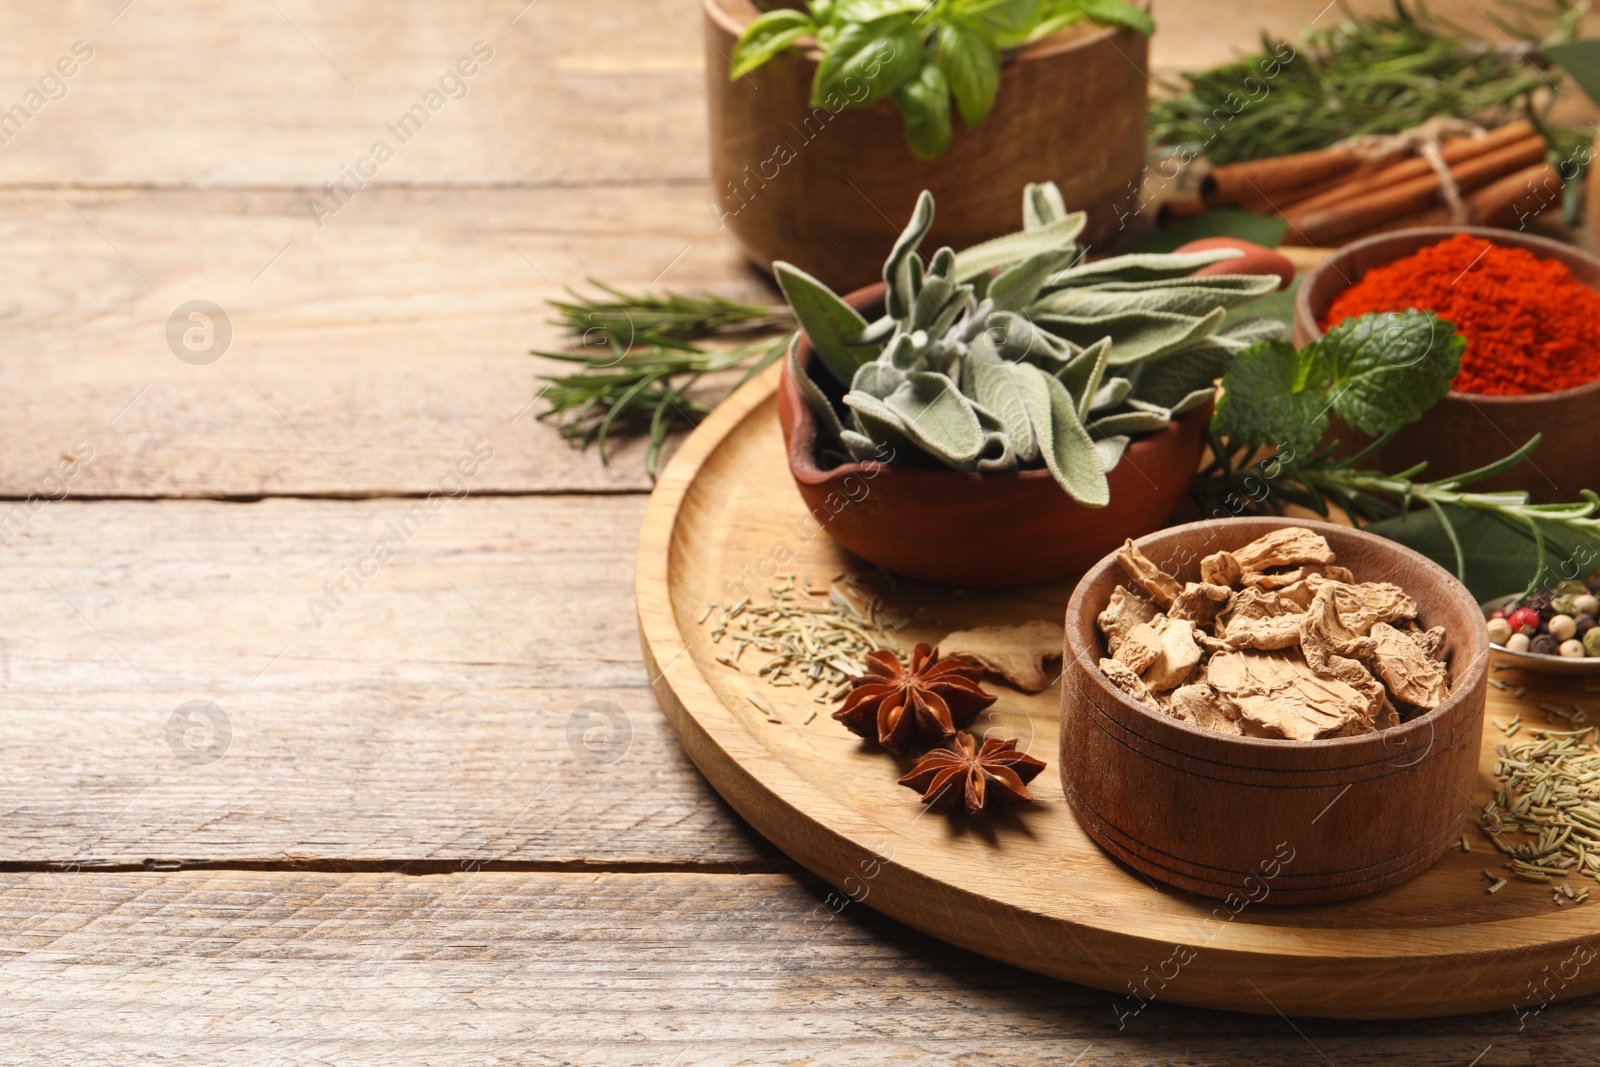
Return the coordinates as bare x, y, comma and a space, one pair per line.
1030, 888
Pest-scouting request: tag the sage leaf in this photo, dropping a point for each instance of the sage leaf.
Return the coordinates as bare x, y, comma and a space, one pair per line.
1002, 252
767, 36
860, 447
1084, 374
1041, 205
897, 269
971, 65
1195, 368
1109, 452
827, 418
877, 379
1140, 268
1387, 369
866, 61
995, 386
829, 322
1128, 422
1135, 336
1112, 392
997, 454
879, 422
1018, 285
937, 417
924, 103
1190, 401
1071, 455
1268, 402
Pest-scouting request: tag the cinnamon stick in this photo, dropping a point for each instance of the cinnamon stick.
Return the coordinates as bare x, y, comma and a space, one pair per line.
1517, 198
1237, 182
1456, 150
1320, 225
1280, 200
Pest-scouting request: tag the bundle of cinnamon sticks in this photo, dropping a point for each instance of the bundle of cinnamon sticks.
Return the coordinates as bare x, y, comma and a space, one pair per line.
1341, 193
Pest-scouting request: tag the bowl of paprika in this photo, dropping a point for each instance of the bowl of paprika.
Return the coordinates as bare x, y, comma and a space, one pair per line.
1529, 308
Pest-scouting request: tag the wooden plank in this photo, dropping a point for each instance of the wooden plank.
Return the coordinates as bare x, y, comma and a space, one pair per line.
478, 699
364, 358
602, 92
605, 969
606, 91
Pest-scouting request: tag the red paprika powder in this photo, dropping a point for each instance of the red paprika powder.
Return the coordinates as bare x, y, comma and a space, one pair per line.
1530, 326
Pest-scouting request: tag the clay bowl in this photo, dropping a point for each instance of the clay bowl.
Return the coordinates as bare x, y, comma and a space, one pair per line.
1464, 431
982, 529
1263, 820
817, 186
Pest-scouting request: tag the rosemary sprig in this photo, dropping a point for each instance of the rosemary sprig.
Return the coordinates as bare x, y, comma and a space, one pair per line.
635, 318
643, 390
1367, 75
1268, 485
638, 365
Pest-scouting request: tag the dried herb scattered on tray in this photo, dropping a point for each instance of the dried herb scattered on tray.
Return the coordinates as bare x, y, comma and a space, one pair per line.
803, 636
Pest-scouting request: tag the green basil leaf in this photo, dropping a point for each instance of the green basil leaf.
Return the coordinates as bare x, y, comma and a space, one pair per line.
971, 64
867, 61
1265, 401
1114, 13
766, 37
1388, 368
924, 103
829, 322
870, 10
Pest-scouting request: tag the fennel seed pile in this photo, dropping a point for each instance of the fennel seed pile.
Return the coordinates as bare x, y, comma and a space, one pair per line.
1550, 792
803, 637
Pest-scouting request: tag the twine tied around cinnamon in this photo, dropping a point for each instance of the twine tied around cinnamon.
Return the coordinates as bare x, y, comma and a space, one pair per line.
1422, 140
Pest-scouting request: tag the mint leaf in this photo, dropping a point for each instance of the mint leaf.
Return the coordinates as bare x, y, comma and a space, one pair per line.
1388, 368
766, 37
1265, 401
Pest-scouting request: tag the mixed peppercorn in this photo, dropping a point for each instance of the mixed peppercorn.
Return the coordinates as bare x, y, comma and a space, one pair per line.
1552, 622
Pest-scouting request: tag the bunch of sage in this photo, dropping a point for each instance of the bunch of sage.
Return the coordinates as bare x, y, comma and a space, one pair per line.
1017, 353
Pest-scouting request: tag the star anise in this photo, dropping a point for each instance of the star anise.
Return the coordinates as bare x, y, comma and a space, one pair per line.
910, 708
978, 779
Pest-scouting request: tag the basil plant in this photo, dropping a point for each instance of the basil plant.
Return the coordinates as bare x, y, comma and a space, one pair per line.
918, 53
1018, 353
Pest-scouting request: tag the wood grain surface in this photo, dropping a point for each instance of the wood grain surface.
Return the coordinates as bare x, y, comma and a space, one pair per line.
601, 969
369, 355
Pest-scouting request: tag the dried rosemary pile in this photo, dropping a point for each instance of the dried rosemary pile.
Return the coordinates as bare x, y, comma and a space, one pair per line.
1550, 791
804, 637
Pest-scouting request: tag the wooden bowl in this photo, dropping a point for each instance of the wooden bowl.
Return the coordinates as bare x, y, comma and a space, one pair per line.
987, 529
1262, 820
1464, 431
830, 191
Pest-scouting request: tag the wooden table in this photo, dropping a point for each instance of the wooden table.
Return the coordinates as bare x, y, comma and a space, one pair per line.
268, 799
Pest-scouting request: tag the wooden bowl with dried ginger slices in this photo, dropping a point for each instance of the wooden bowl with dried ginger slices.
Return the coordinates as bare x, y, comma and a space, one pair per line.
1271, 819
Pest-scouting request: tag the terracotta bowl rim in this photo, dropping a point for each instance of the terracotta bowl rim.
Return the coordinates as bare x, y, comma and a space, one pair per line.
1070, 39
805, 469
1467, 679
1528, 241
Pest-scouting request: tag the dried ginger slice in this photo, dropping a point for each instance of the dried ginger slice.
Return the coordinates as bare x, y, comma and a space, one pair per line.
1290, 546
1260, 620
1205, 707
1140, 646
1405, 669
1220, 568
1278, 695
1333, 650
1361, 606
1178, 657
1162, 587
1123, 677
1430, 641
1125, 610
1016, 653
1201, 603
